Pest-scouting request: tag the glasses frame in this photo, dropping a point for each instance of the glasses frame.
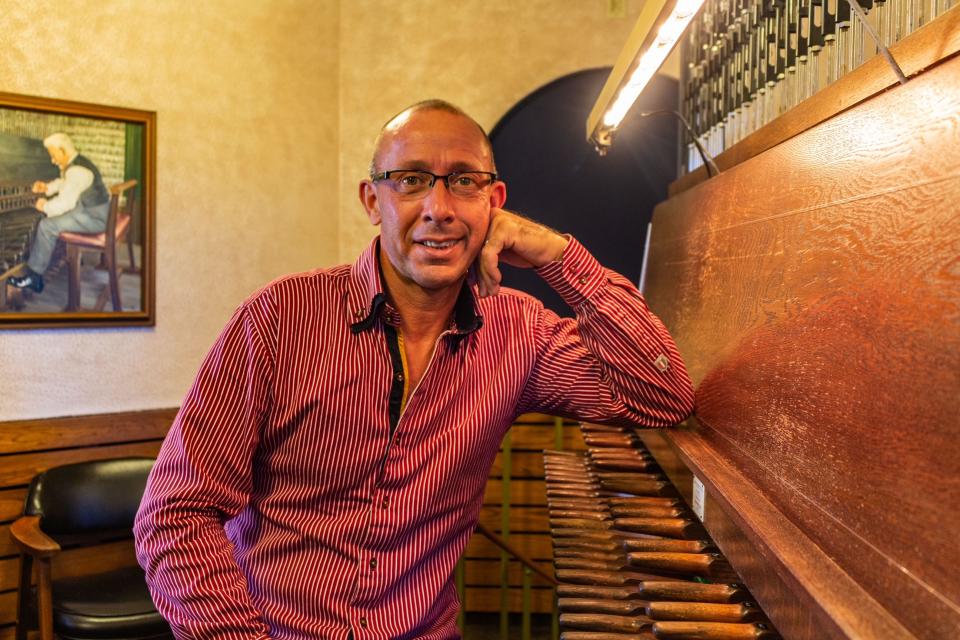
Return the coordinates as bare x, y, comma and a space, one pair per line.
385, 175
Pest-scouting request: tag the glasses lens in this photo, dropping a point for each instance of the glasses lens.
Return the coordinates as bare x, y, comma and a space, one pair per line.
467, 184
410, 182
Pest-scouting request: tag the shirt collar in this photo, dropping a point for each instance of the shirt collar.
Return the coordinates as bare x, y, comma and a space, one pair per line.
367, 299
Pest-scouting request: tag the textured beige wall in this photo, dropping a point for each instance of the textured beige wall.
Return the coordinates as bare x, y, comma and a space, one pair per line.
246, 95
267, 110
482, 56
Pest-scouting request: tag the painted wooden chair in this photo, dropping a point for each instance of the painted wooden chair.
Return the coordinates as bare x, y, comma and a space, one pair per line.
105, 243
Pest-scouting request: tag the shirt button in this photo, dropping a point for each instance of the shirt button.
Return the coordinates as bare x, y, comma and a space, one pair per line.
582, 281
385, 503
399, 377
358, 313
373, 563
662, 363
363, 622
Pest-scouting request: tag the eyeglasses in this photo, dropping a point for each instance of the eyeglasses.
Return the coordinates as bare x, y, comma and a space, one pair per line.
416, 184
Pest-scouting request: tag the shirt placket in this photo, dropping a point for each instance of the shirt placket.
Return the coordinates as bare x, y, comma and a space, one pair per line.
378, 519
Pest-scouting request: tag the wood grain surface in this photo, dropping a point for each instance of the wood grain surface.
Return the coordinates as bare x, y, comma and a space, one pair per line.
814, 291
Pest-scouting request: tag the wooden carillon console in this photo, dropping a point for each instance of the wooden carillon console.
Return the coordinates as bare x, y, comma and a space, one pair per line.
813, 288
630, 557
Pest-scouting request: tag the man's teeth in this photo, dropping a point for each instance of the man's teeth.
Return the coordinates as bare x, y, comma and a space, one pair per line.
439, 245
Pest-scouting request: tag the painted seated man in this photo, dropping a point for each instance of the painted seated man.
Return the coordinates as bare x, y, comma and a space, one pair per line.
76, 201
327, 467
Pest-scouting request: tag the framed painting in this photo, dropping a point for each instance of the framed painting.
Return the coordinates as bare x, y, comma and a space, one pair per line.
77, 216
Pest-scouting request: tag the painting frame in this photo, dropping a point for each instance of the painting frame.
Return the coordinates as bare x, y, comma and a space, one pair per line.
140, 131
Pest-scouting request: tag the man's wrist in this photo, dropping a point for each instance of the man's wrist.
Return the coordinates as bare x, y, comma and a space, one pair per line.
558, 246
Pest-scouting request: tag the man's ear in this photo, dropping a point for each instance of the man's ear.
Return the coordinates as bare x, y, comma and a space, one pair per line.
498, 195
370, 202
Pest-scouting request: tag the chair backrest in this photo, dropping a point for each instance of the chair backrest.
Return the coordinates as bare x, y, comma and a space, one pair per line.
92, 497
116, 192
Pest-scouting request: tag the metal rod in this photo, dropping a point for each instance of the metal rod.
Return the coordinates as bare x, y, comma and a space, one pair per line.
707, 160
855, 6
519, 555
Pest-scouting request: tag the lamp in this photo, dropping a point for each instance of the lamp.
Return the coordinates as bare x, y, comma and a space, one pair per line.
657, 31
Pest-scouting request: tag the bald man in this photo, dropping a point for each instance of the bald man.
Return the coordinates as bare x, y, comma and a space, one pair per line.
327, 468
76, 201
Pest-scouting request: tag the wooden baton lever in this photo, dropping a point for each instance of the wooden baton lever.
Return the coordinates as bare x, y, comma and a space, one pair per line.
712, 631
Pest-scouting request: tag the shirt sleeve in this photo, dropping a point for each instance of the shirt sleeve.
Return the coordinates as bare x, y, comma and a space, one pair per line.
203, 478
76, 180
53, 187
615, 363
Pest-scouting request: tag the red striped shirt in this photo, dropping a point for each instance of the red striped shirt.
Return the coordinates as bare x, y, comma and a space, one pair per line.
284, 504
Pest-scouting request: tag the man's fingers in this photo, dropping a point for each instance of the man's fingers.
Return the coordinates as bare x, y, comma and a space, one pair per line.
489, 270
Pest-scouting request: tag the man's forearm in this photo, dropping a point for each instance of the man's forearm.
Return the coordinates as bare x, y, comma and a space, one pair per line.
617, 358
195, 581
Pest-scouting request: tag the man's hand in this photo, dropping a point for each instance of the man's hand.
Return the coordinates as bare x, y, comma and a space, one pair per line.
39, 186
40, 204
517, 241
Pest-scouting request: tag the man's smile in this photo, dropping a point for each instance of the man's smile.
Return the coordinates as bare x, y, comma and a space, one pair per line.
437, 247
437, 244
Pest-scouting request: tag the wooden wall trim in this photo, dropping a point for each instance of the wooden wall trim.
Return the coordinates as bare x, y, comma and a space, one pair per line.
80, 431
922, 49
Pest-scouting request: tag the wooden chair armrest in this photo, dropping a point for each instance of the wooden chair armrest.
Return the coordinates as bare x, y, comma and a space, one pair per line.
26, 533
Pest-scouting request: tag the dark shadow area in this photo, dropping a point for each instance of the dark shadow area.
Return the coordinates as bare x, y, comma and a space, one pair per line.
555, 176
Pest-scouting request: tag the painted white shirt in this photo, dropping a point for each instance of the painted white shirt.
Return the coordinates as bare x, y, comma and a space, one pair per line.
67, 189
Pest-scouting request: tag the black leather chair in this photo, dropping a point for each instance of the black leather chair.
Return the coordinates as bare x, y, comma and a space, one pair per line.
80, 504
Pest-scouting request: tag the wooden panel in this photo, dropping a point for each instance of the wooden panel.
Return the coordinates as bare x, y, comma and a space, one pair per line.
75, 562
6, 544
540, 437
81, 431
536, 546
20, 468
104, 557
11, 503
521, 492
486, 573
525, 464
522, 519
815, 294
936, 41
9, 573
8, 607
480, 599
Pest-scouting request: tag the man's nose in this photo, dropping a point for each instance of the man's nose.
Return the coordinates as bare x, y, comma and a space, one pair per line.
438, 203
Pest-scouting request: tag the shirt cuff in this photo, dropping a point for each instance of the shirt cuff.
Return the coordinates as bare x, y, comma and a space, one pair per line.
575, 276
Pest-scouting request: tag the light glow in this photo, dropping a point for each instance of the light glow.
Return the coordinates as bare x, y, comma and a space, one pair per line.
651, 59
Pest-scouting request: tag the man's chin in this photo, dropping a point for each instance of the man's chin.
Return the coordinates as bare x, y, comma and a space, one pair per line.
433, 279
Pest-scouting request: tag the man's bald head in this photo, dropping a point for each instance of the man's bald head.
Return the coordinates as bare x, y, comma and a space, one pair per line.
397, 121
